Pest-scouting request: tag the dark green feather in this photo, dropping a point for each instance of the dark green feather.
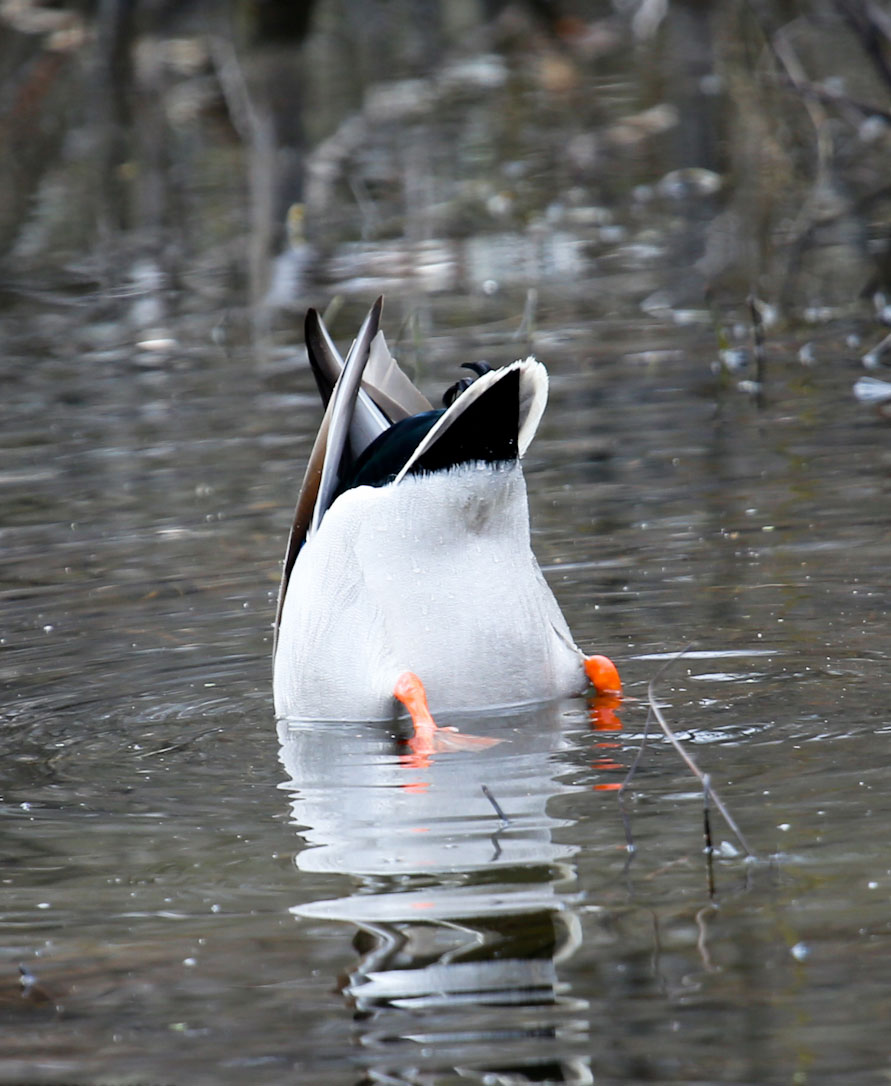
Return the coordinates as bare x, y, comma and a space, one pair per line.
387, 455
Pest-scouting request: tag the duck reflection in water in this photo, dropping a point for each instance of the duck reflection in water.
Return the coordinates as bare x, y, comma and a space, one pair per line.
409, 576
463, 906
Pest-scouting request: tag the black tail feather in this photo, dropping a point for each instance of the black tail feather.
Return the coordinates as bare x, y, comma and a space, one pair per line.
485, 430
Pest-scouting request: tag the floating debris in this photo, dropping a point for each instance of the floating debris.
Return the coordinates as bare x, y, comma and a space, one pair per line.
800, 951
691, 181
873, 358
874, 391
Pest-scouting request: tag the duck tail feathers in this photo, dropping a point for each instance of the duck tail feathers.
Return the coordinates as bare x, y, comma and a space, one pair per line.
493, 420
351, 427
389, 386
324, 357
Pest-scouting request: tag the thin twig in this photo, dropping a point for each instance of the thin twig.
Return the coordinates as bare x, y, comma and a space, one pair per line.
182, 745
759, 351
620, 795
691, 765
505, 821
707, 830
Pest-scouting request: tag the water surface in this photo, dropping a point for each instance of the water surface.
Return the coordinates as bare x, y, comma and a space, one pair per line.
196, 895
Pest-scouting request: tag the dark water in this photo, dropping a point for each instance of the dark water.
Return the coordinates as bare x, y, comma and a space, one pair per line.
198, 897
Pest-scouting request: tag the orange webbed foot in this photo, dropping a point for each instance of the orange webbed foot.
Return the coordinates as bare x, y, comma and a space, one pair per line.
603, 675
429, 738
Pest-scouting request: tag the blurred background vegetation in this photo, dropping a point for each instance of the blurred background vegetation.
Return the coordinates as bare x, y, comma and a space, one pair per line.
242, 160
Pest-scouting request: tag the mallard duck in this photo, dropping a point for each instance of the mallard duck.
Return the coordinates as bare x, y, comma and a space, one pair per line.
409, 575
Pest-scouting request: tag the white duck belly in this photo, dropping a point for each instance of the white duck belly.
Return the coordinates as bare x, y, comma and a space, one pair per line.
435, 575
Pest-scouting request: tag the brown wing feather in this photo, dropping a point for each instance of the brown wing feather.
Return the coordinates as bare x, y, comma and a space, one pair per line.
306, 503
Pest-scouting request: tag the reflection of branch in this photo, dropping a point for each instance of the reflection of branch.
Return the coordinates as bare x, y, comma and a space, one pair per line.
825, 204
792, 71
854, 210
873, 27
702, 938
233, 87
502, 818
789, 62
821, 93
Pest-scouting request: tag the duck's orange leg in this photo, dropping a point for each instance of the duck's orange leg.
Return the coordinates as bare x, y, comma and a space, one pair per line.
429, 738
410, 691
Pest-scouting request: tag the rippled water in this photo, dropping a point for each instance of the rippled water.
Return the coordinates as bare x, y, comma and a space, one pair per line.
198, 896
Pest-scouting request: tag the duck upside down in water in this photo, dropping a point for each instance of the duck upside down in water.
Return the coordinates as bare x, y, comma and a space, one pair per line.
409, 575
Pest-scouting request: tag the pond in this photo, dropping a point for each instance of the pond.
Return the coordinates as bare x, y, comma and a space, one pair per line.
194, 893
